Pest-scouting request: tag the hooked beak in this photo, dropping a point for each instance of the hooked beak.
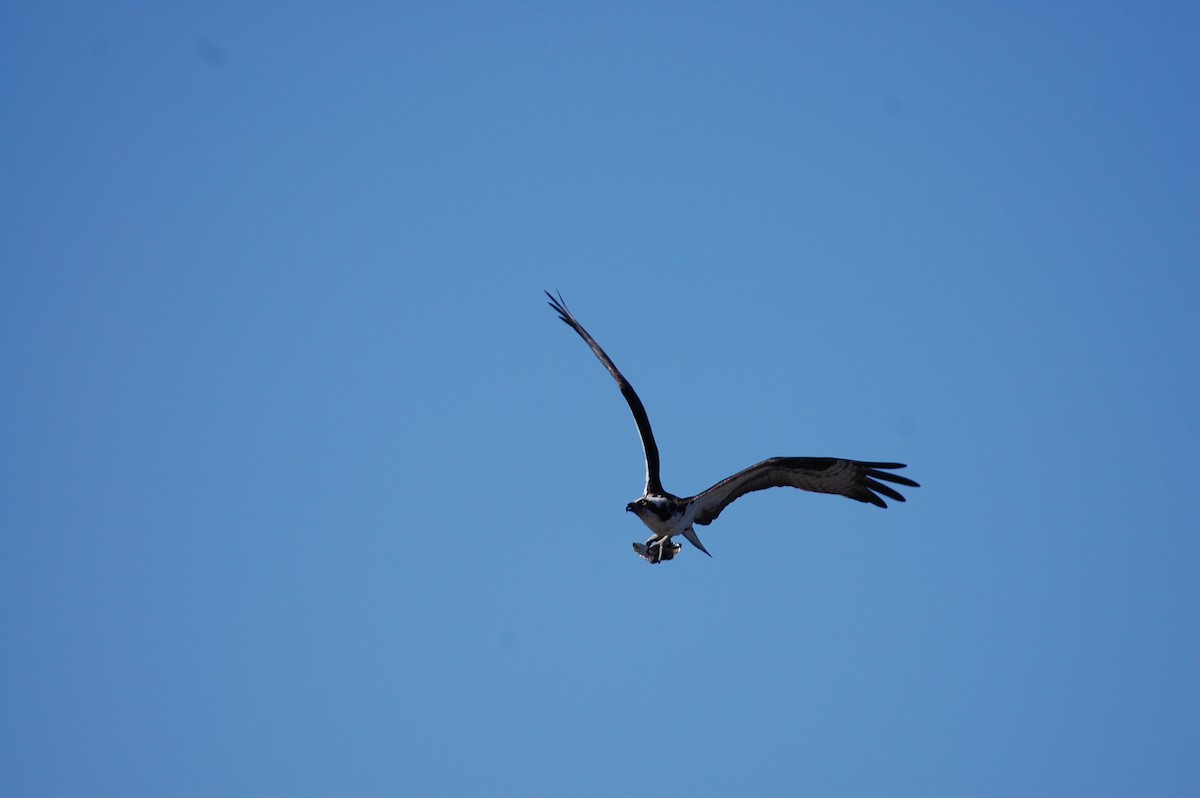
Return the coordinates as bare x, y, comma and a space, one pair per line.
629, 507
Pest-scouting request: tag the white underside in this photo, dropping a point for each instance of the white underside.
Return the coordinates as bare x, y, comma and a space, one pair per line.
664, 529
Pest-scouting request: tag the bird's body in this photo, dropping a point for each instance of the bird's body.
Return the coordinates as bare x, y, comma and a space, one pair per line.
667, 515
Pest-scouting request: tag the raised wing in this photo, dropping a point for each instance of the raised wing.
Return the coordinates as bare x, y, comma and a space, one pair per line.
850, 478
653, 483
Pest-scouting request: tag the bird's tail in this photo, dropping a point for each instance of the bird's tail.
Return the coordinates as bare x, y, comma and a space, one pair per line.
694, 539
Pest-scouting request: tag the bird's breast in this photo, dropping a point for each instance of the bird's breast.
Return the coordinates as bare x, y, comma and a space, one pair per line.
662, 525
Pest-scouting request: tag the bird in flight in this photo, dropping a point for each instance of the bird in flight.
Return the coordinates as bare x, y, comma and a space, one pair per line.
668, 515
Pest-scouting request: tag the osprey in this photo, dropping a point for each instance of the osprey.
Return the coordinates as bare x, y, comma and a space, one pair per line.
668, 515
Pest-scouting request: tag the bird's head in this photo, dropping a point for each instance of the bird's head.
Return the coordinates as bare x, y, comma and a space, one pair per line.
643, 510
650, 507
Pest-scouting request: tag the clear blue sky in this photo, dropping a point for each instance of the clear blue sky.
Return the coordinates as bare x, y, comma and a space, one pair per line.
305, 491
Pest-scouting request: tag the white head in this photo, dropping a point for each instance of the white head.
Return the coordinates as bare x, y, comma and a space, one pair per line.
655, 512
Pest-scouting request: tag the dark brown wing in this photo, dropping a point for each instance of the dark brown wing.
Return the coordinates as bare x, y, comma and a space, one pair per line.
653, 483
850, 478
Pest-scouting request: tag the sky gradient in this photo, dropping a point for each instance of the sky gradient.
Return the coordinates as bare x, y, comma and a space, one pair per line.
305, 491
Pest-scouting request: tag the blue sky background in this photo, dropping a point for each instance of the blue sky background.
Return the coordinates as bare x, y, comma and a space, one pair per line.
305, 491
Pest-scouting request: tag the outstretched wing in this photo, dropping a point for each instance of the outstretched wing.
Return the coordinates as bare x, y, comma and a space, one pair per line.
850, 478
653, 483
